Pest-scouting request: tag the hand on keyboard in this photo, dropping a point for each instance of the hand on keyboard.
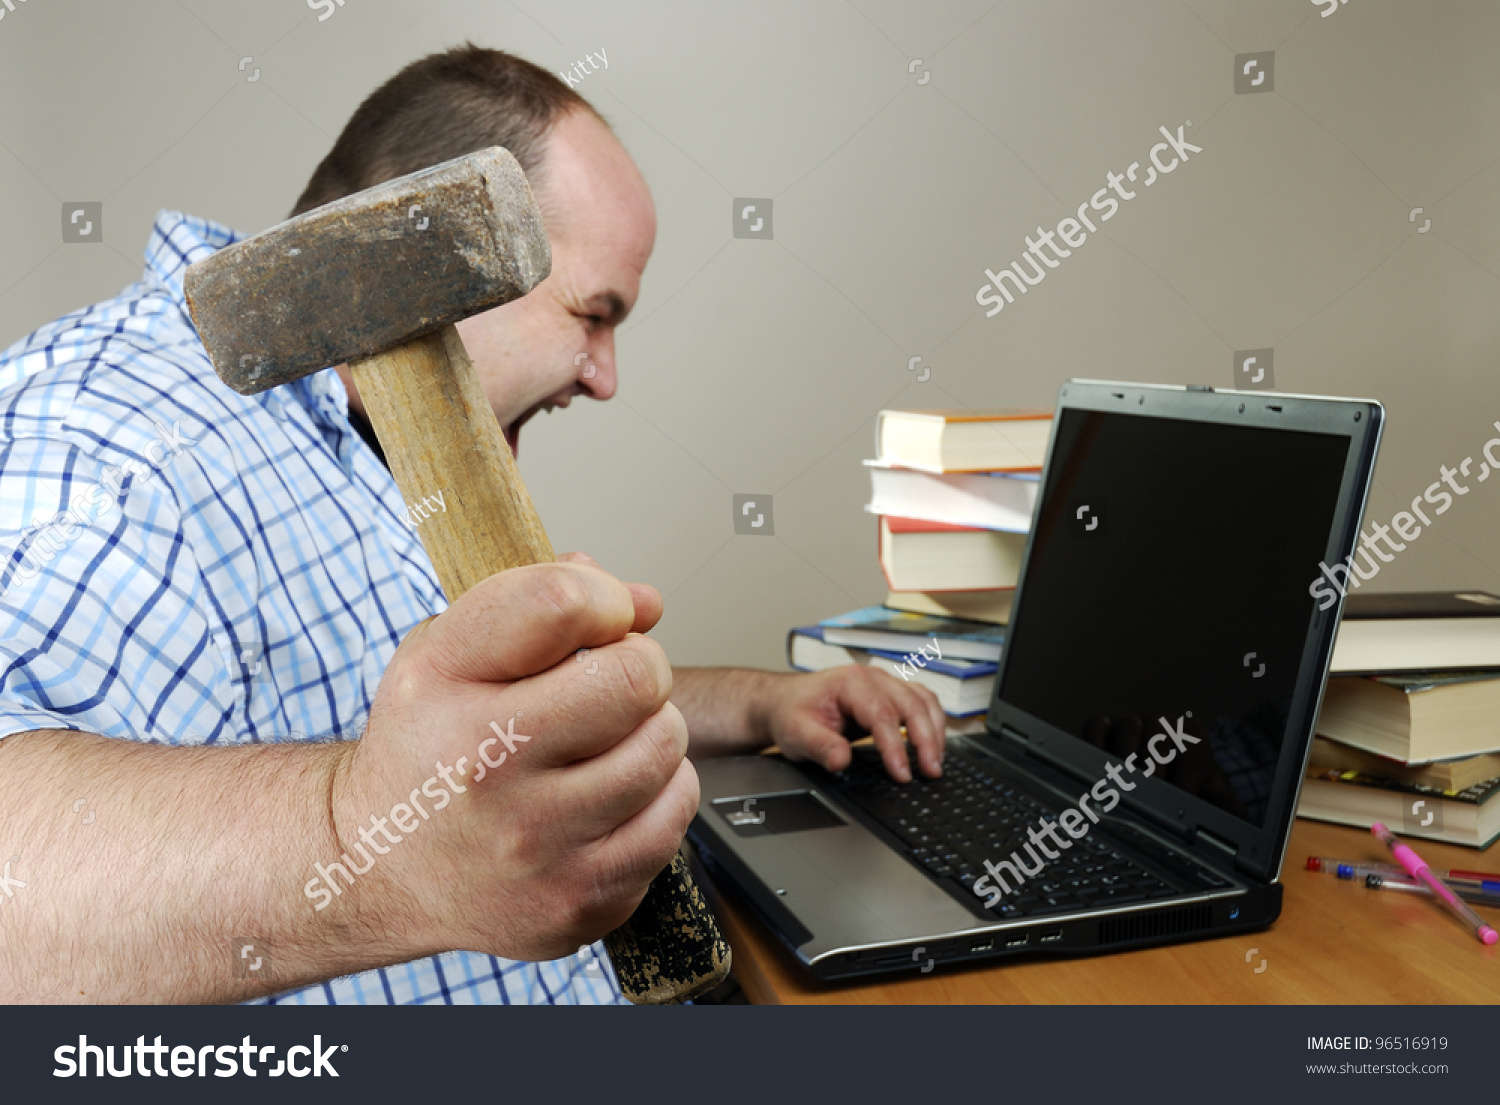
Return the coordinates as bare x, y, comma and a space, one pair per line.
813, 717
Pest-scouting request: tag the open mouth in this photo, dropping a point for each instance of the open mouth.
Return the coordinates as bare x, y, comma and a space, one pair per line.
513, 431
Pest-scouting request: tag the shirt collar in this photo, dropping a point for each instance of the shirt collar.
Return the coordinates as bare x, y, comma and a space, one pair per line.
177, 241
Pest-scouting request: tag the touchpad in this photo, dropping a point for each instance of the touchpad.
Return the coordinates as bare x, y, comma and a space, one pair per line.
784, 812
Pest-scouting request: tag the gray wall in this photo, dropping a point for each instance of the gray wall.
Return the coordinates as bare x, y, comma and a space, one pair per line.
758, 366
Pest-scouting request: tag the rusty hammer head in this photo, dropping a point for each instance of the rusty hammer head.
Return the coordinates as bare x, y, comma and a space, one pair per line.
368, 272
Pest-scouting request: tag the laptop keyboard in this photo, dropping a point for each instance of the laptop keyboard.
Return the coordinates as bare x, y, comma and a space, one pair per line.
951, 825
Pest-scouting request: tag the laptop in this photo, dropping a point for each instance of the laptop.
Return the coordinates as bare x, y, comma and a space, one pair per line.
1137, 773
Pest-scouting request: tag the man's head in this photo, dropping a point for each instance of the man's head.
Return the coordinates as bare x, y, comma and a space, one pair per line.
557, 342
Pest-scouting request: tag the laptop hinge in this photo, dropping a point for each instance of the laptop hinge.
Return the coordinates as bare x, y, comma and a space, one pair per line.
1219, 843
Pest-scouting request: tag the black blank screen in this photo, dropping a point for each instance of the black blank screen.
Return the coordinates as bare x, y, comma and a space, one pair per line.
1165, 551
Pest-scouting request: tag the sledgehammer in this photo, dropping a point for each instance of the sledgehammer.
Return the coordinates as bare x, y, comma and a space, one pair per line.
377, 280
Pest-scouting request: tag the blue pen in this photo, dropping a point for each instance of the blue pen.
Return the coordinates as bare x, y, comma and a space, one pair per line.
1463, 890
1488, 881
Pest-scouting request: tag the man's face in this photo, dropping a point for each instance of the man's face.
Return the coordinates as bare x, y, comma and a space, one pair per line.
558, 342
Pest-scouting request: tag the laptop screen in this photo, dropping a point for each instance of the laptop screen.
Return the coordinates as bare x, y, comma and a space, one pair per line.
1169, 578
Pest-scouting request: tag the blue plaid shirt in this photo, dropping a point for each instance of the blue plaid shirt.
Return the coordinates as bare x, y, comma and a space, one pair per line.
184, 565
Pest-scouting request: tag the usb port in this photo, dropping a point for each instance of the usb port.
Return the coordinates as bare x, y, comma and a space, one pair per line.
1052, 936
986, 946
1018, 941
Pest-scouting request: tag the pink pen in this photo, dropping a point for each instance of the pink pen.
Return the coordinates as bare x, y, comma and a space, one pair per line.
1417, 868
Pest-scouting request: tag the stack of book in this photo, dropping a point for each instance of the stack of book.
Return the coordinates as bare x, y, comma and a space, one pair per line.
1409, 732
953, 492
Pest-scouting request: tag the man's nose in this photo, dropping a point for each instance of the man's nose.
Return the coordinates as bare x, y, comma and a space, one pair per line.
598, 374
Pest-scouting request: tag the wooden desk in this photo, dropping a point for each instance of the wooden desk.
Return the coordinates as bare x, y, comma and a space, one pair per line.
1336, 942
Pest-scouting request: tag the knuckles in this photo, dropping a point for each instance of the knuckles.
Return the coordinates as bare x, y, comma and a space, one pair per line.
691, 792
403, 686
563, 592
665, 739
644, 670
608, 875
652, 756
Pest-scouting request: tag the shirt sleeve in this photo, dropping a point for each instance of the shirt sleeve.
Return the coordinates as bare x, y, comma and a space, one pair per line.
103, 610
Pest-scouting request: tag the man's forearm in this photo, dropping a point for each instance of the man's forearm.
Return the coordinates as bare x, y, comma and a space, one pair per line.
144, 866
725, 708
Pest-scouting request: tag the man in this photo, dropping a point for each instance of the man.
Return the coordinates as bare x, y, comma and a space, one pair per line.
219, 578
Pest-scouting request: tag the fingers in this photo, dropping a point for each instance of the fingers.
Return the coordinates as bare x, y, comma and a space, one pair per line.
648, 600
882, 717
805, 737
525, 620
588, 702
610, 789
915, 706
638, 849
926, 727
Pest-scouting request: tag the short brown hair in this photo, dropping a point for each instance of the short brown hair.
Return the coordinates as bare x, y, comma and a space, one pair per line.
441, 107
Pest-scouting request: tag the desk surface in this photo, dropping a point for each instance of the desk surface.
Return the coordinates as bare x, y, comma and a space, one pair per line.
1336, 942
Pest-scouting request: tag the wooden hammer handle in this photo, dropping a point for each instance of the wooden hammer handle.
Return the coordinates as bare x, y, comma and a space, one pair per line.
441, 436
